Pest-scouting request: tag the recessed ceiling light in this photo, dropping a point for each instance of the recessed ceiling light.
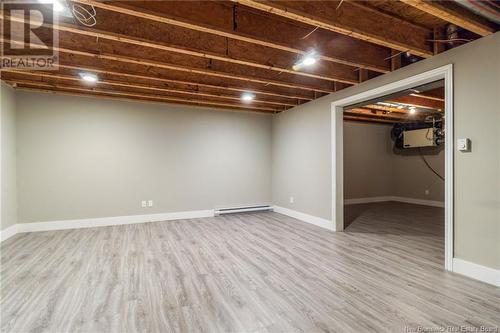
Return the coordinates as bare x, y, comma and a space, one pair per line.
413, 110
309, 59
247, 97
89, 77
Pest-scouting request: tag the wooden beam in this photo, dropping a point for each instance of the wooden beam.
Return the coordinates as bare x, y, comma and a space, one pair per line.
384, 108
369, 120
380, 113
151, 63
391, 109
438, 36
435, 94
169, 48
139, 86
133, 95
339, 86
418, 101
395, 59
121, 98
116, 37
351, 20
267, 41
454, 14
373, 117
431, 97
296, 98
363, 75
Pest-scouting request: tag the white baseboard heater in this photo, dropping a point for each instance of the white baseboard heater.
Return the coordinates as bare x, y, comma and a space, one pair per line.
244, 209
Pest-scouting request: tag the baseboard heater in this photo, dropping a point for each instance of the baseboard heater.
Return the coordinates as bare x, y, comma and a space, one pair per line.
232, 210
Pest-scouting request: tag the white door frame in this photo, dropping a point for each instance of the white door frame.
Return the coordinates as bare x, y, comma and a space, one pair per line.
446, 73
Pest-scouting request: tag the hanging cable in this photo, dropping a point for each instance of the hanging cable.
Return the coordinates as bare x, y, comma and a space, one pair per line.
451, 40
428, 165
395, 55
309, 34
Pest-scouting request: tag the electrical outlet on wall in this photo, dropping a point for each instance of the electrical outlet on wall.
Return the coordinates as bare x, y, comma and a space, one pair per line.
144, 204
427, 192
291, 200
150, 203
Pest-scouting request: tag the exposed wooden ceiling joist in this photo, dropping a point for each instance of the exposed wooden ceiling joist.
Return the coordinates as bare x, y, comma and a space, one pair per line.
48, 90
77, 79
418, 101
183, 82
354, 21
127, 94
270, 39
345, 75
210, 52
384, 108
434, 94
200, 71
169, 48
369, 120
453, 13
366, 117
373, 112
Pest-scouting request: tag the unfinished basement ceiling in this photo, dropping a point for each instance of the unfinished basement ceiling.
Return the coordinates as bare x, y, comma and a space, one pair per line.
210, 53
419, 104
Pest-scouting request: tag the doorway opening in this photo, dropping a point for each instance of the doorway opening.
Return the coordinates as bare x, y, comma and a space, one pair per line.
392, 150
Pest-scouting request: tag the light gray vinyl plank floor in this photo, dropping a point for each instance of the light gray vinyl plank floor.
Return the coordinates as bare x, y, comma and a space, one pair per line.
261, 272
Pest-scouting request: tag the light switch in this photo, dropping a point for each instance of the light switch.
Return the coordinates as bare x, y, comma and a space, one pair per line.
463, 144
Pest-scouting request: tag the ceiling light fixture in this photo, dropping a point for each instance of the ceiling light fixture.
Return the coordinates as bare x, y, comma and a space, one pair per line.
247, 97
309, 59
57, 6
89, 77
412, 110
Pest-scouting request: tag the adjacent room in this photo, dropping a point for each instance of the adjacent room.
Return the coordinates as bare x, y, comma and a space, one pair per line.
394, 163
250, 166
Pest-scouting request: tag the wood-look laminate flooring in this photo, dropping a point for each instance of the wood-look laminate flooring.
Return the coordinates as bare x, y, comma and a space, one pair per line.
261, 272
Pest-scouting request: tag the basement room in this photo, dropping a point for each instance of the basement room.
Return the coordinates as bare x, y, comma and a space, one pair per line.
250, 166
394, 162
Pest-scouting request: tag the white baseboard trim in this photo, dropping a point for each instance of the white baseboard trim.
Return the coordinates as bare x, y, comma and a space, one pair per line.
101, 222
8, 232
318, 221
478, 272
395, 198
365, 200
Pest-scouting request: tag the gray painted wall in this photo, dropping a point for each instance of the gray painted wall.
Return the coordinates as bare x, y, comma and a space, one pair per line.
372, 168
477, 174
85, 157
300, 144
368, 160
8, 155
411, 177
